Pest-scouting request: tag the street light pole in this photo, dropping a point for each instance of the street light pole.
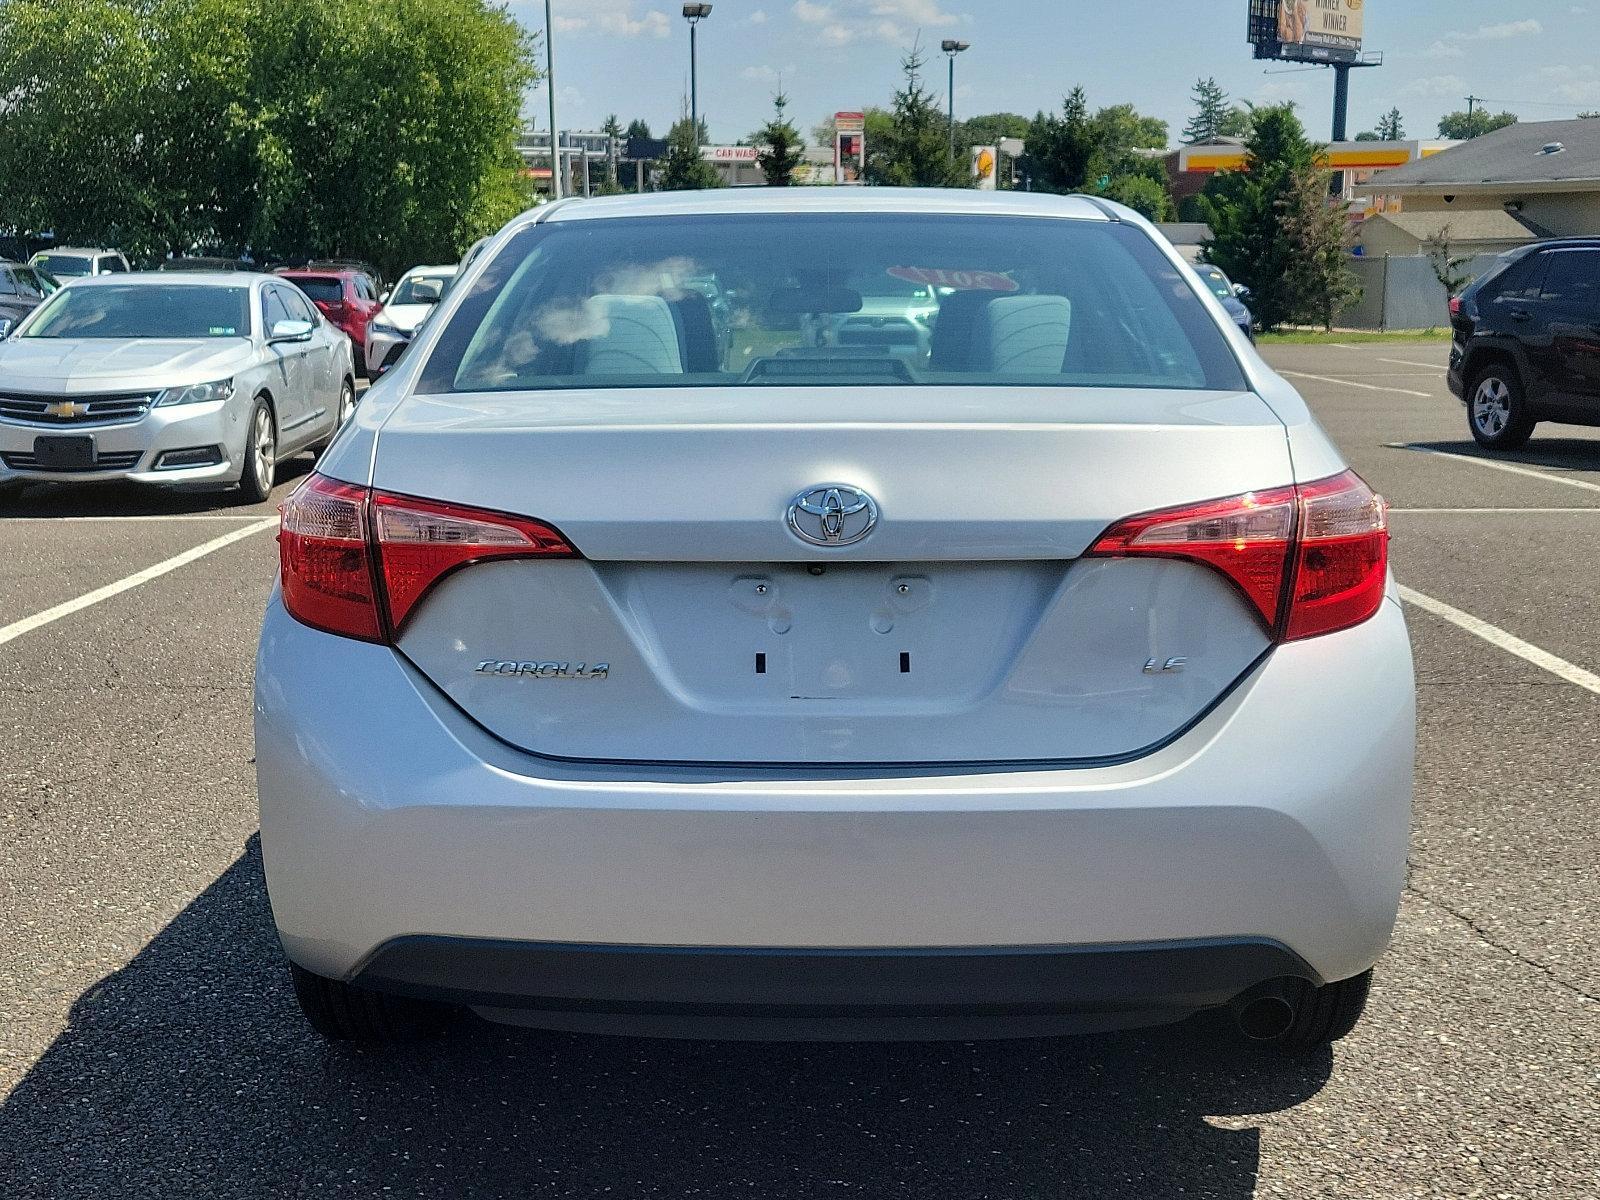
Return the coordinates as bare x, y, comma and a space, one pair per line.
951, 47
550, 83
694, 14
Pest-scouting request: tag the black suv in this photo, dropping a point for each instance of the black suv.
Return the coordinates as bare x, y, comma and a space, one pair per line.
1527, 342
22, 289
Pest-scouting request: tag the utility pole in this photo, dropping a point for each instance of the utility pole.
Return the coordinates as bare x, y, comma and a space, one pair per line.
550, 83
1472, 103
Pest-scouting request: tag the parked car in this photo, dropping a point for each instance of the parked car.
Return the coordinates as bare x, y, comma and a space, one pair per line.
22, 289
407, 307
1231, 295
71, 262
1526, 342
1056, 685
345, 296
194, 381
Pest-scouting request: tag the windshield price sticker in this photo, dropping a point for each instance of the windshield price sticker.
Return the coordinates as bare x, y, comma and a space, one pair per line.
974, 281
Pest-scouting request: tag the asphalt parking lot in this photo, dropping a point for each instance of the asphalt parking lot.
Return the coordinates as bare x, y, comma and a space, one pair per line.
149, 1044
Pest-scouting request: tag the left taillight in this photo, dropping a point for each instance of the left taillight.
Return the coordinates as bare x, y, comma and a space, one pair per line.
1311, 559
356, 562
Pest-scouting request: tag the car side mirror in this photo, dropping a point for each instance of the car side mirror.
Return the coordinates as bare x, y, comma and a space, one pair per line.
291, 331
384, 298
6, 326
1240, 290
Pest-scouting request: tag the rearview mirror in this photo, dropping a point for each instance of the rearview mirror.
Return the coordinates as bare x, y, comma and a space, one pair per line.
292, 331
801, 301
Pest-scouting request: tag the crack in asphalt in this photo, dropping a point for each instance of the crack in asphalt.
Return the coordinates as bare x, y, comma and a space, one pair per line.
1494, 943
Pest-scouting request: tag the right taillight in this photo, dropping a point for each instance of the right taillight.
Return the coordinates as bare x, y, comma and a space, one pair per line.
1311, 559
1455, 306
356, 562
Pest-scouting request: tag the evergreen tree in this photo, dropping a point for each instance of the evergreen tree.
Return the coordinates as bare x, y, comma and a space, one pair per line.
782, 151
914, 151
1211, 112
638, 128
1061, 149
1390, 127
683, 169
610, 183
1274, 230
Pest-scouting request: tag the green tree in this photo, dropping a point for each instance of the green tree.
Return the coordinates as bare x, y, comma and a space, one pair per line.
1274, 230
1238, 121
352, 127
781, 151
1061, 148
610, 183
1211, 110
638, 128
990, 129
914, 150
1475, 124
1143, 194
683, 169
1391, 128
1446, 264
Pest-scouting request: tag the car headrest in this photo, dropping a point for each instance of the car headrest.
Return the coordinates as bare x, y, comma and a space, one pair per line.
633, 335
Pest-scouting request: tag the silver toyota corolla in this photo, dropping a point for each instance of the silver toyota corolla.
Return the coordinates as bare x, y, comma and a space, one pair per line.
631, 673
195, 381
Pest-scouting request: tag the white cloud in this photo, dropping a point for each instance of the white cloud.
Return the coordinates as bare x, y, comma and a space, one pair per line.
895, 21
1510, 29
614, 18
1443, 49
1436, 85
759, 17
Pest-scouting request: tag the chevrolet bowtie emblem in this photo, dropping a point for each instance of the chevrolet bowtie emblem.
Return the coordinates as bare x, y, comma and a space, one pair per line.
66, 410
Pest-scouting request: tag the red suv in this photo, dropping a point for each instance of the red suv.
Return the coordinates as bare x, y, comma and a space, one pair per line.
348, 298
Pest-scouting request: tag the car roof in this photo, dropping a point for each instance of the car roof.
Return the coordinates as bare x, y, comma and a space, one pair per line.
732, 201
76, 250
174, 279
334, 272
447, 269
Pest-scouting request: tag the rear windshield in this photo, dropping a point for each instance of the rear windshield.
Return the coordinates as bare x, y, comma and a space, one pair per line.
146, 310
63, 265
421, 289
845, 300
322, 289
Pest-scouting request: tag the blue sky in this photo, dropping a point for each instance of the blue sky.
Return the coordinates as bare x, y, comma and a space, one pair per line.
1536, 57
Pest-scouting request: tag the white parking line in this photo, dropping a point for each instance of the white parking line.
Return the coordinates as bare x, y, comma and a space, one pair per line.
27, 624
1366, 387
1414, 512
139, 517
1511, 468
1509, 642
1406, 362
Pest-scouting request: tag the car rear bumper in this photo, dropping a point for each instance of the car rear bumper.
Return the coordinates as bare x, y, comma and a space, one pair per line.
140, 449
387, 817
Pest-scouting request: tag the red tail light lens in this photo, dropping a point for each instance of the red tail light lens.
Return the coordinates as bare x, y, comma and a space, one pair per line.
324, 559
1323, 545
1455, 306
339, 541
422, 541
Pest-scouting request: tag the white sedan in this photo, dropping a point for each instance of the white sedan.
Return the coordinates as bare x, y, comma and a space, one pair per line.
199, 381
405, 309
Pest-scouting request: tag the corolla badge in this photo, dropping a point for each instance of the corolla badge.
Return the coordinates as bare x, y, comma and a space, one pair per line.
515, 669
832, 514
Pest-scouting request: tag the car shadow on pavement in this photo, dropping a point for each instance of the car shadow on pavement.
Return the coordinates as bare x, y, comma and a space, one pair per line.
1572, 454
189, 1074
135, 500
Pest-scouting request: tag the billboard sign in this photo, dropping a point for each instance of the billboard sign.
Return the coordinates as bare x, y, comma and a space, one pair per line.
1315, 30
849, 147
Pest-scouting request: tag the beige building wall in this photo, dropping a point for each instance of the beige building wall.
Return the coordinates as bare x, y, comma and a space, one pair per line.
1566, 214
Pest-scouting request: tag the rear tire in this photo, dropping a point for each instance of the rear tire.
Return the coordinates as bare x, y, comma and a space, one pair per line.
1323, 1015
1497, 409
260, 455
342, 1012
